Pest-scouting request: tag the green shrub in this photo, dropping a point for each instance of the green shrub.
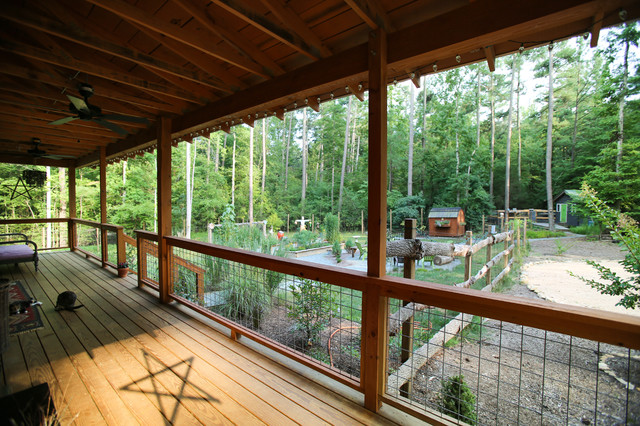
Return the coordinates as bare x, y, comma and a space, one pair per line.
246, 297
457, 400
336, 249
543, 233
306, 239
349, 243
586, 229
331, 228
311, 308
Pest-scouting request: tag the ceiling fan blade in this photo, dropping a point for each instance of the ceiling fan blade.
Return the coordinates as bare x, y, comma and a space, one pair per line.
126, 118
80, 104
114, 127
63, 120
57, 156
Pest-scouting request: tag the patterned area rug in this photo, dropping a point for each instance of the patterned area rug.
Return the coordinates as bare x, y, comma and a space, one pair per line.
22, 322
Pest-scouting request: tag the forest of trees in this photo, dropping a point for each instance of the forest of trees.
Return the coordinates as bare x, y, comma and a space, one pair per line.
467, 137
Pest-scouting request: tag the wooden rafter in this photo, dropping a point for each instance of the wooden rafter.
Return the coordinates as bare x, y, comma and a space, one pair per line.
98, 40
371, 12
296, 25
90, 68
201, 42
244, 12
218, 27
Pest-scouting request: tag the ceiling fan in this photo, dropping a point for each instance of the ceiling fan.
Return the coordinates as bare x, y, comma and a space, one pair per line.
83, 110
36, 152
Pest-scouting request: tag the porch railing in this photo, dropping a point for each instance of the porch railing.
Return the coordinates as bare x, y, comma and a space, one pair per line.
525, 360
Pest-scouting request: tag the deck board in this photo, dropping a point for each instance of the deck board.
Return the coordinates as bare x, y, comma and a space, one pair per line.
126, 359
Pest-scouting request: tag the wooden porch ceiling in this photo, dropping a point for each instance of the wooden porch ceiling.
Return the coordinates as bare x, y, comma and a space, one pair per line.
210, 65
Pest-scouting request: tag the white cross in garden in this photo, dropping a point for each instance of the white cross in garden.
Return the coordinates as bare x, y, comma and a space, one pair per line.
302, 223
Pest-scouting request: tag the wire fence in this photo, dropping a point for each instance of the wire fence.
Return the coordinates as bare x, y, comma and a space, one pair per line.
318, 321
494, 372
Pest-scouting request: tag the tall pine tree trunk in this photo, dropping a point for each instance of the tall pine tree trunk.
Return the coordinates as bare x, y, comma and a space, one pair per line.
518, 125
190, 166
457, 145
549, 155
264, 153
63, 203
473, 153
286, 162
344, 153
621, 104
493, 135
124, 182
411, 131
507, 172
233, 172
48, 213
250, 175
304, 156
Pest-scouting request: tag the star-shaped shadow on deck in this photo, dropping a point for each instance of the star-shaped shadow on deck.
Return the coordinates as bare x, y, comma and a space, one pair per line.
159, 388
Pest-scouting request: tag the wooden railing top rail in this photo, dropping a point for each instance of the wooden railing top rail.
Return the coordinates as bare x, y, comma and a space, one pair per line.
33, 220
602, 326
147, 235
94, 224
129, 240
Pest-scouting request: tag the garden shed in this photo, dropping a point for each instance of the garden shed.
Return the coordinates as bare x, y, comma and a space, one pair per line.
446, 222
566, 212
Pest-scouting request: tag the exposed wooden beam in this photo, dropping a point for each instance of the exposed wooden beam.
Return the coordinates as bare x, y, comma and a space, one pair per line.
372, 13
219, 28
291, 19
70, 29
246, 13
90, 68
597, 25
201, 42
196, 57
491, 57
27, 159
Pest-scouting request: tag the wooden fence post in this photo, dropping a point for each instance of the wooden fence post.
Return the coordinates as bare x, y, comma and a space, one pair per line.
407, 327
468, 259
524, 237
489, 257
121, 247
506, 249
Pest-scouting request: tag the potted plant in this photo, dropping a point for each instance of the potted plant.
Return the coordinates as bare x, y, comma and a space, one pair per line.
123, 269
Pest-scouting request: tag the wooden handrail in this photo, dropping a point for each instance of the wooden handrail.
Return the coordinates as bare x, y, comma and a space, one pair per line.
607, 327
36, 220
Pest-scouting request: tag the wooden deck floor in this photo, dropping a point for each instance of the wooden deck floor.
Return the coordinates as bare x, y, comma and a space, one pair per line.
125, 359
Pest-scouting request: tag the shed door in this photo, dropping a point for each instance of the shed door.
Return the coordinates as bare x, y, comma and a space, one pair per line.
564, 208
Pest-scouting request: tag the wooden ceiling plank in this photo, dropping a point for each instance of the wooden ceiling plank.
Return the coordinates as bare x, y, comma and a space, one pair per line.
55, 79
372, 13
194, 56
197, 41
292, 20
231, 37
242, 11
25, 159
99, 40
51, 134
43, 55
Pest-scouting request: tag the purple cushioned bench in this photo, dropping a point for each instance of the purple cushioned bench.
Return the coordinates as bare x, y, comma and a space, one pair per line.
16, 250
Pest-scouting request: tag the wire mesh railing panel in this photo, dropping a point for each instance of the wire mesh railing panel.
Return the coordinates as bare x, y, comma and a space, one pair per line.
50, 235
112, 246
151, 260
486, 371
89, 239
315, 320
132, 257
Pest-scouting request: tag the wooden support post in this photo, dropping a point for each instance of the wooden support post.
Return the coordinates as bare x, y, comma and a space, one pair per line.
71, 227
375, 307
468, 259
406, 349
524, 237
489, 257
164, 205
421, 217
103, 205
121, 246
